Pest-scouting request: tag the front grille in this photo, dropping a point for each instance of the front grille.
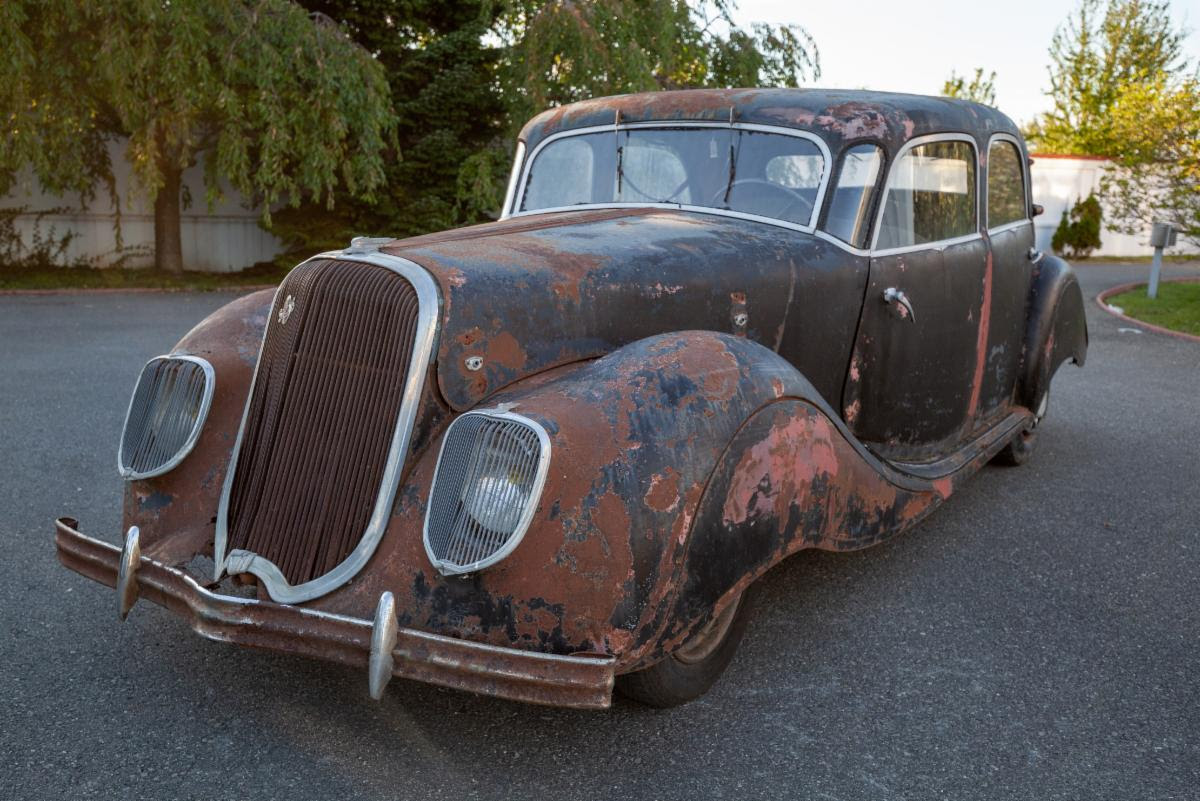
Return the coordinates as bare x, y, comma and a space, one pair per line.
165, 415
320, 423
487, 485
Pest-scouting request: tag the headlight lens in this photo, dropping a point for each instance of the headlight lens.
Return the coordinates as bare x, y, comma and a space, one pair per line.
487, 485
166, 413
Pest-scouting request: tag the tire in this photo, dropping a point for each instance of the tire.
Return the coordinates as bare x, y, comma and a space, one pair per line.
1020, 448
689, 672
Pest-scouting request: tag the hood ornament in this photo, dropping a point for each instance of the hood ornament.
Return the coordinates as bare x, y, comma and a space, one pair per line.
289, 305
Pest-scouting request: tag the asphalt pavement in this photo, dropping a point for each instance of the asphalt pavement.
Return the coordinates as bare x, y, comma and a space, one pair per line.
1036, 638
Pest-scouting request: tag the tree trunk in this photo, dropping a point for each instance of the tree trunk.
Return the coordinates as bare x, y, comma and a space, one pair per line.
168, 247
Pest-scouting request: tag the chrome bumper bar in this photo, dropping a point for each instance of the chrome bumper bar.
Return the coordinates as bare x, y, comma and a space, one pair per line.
379, 645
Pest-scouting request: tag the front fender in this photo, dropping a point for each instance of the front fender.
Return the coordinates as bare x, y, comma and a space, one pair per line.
634, 437
1056, 328
183, 502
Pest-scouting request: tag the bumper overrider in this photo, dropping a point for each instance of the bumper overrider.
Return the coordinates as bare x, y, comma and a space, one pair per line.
380, 645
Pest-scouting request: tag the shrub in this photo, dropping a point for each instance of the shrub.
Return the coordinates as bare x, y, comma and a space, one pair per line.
1078, 233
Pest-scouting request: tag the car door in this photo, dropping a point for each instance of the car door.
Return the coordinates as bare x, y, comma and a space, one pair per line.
1010, 236
909, 389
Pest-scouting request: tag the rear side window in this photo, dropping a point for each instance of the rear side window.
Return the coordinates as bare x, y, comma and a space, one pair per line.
1005, 184
850, 209
930, 196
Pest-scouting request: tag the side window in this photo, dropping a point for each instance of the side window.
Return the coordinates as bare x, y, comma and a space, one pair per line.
849, 210
1005, 184
930, 196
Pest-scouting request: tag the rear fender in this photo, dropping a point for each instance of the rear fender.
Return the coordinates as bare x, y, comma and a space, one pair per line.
1056, 328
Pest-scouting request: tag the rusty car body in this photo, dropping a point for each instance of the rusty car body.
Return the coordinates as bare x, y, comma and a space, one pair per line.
531, 457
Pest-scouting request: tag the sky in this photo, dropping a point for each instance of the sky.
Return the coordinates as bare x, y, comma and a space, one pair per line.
913, 47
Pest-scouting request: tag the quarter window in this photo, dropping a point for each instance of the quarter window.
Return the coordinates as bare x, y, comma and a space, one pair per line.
930, 196
850, 209
1005, 184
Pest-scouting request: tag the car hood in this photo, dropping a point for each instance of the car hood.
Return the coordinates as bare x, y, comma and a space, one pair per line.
526, 294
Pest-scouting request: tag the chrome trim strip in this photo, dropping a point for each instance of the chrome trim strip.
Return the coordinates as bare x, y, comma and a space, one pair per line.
1023, 158
818, 201
941, 244
909, 145
241, 561
535, 495
514, 176
999, 229
210, 384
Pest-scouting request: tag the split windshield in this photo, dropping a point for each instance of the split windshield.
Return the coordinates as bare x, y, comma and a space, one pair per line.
753, 172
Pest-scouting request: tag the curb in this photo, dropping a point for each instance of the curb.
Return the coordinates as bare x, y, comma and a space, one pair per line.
1102, 301
135, 290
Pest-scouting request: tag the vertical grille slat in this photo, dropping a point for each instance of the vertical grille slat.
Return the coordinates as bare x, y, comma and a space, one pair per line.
166, 413
488, 482
320, 423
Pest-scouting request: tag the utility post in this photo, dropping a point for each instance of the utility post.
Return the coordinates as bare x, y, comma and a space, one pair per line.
1162, 235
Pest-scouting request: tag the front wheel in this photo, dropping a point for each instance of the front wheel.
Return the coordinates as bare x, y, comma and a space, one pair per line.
688, 672
1020, 449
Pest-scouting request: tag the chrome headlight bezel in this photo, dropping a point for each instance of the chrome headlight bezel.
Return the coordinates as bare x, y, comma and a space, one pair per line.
441, 493
188, 440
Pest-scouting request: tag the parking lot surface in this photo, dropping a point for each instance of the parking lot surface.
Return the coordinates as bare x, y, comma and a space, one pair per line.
1036, 638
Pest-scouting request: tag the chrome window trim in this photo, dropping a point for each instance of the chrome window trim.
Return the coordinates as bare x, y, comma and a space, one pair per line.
513, 176
999, 229
535, 495
210, 384
241, 561
900, 154
1023, 160
818, 200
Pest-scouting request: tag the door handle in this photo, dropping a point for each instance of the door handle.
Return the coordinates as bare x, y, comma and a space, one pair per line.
897, 296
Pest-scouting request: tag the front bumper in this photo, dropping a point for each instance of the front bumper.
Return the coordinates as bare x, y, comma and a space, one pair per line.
380, 645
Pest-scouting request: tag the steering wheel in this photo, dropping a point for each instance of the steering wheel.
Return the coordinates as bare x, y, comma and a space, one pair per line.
791, 196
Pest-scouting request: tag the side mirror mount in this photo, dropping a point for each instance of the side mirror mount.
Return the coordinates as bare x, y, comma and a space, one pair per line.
1038, 209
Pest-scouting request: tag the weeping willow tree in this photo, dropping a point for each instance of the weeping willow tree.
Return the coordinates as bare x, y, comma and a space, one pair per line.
281, 105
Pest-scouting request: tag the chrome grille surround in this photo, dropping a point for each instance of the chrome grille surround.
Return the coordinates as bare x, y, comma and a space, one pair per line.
478, 445
166, 412
271, 577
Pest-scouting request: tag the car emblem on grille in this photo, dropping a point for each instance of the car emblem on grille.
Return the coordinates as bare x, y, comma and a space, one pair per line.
288, 305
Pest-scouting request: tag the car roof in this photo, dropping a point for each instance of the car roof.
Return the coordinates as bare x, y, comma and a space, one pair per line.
839, 116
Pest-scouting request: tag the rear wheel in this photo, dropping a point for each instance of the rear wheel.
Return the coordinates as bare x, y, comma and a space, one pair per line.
688, 672
1020, 449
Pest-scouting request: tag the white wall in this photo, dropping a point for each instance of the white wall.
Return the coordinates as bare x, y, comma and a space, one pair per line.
1059, 181
227, 239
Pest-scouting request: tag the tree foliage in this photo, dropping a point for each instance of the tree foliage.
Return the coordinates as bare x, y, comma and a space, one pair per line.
1157, 175
979, 89
1104, 48
1123, 89
282, 106
468, 75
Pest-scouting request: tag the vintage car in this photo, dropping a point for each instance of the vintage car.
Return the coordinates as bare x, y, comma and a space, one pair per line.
552, 453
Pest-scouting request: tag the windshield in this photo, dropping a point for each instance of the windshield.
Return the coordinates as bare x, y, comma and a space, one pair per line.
752, 172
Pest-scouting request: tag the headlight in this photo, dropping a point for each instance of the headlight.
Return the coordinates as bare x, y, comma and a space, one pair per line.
486, 488
165, 415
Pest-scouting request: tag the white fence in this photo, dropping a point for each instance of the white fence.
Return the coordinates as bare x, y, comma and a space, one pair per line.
228, 238
1059, 181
